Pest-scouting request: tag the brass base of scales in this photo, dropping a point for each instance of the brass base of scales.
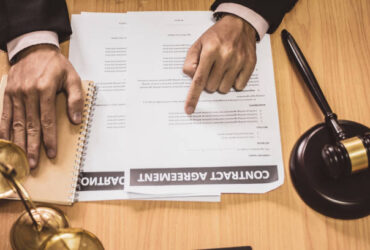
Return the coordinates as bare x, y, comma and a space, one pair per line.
39, 227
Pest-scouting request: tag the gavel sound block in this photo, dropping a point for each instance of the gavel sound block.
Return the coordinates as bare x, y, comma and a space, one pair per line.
346, 196
329, 164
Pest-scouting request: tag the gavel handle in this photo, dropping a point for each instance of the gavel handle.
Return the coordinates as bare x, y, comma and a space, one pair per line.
299, 60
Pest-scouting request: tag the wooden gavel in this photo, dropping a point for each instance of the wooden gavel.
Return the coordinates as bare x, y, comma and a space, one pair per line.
349, 155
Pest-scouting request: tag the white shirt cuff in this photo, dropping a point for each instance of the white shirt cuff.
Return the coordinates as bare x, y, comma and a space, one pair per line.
252, 17
29, 39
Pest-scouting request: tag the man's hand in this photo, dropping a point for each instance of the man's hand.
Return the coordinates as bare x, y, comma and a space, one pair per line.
29, 102
223, 57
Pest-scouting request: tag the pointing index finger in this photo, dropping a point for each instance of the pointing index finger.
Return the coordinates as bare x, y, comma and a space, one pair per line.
199, 81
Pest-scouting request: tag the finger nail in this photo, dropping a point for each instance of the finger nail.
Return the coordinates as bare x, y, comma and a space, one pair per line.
51, 153
189, 110
32, 162
195, 65
77, 117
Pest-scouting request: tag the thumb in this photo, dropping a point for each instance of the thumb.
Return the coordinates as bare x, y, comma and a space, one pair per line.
192, 59
75, 102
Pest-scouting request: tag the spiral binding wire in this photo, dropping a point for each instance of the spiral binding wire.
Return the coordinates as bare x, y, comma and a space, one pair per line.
82, 142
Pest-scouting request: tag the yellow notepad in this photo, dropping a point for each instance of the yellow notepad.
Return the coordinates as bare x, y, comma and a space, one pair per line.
55, 180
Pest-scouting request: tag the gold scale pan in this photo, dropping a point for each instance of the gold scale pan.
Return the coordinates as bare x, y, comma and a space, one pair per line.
39, 227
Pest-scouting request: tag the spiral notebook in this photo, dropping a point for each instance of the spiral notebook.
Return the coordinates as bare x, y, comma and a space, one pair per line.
54, 180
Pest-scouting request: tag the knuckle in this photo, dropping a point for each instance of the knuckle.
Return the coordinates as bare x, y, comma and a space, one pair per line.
27, 86
211, 48
42, 88
28, 92
10, 88
186, 69
5, 117
18, 126
33, 131
18, 105
13, 91
47, 122
198, 81
9, 91
227, 53
31, 124
33, 147
43, 85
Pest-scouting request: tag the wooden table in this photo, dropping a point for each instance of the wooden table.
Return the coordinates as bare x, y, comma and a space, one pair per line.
335, 36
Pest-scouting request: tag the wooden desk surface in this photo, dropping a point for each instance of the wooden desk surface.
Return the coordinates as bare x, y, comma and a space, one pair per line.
335, 36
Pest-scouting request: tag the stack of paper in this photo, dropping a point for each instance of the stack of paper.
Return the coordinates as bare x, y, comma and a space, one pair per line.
142, 144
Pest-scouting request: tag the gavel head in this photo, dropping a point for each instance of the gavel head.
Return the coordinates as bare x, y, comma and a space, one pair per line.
347, 157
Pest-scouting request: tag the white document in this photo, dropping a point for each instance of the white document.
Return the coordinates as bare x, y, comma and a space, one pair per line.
98, 51
142, 140
231, 144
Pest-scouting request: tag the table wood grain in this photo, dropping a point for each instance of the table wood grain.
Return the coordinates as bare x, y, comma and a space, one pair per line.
335, 37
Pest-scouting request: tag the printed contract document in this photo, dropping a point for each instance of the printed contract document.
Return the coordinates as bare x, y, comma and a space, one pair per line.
231, 144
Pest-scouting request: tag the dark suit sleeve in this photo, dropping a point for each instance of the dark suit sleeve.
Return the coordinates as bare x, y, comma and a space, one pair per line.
272, 10
18, 17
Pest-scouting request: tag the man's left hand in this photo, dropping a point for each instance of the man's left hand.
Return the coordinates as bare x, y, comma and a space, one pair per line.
222, 58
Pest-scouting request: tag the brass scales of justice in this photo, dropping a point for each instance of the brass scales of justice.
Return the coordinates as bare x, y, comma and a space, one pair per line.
39, 227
